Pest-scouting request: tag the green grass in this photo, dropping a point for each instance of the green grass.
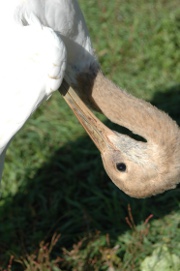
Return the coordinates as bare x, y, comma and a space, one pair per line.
54, 181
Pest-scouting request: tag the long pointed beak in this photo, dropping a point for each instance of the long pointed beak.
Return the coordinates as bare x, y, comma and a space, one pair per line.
98, 132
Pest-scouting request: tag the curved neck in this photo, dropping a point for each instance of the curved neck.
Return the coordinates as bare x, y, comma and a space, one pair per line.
162, 149
122, 108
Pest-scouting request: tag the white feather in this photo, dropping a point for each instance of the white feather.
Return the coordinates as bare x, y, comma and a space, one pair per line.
42, 42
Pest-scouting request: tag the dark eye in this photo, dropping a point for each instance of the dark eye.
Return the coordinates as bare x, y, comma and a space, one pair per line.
121, 167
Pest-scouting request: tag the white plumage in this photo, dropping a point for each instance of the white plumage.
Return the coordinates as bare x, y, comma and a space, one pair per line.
35, 35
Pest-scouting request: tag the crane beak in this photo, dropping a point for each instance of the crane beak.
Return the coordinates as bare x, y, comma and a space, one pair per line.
97, 131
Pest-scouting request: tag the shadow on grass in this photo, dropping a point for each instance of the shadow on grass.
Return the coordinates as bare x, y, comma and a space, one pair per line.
72, 195
169, 102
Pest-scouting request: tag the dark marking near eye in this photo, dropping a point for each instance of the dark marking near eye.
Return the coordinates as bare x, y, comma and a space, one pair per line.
121, 167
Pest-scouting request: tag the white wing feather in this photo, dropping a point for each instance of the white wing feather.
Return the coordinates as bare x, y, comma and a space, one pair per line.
66, 19
35, 35
32, 67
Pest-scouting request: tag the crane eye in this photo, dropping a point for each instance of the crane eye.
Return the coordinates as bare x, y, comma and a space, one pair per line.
121, 167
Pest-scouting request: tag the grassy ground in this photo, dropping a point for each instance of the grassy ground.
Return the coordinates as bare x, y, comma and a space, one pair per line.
59, 210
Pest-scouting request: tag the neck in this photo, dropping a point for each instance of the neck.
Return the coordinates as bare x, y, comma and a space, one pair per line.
135, 114
122, 108
160, 131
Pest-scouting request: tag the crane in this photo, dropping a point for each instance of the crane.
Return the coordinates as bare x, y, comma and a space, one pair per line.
46, 47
